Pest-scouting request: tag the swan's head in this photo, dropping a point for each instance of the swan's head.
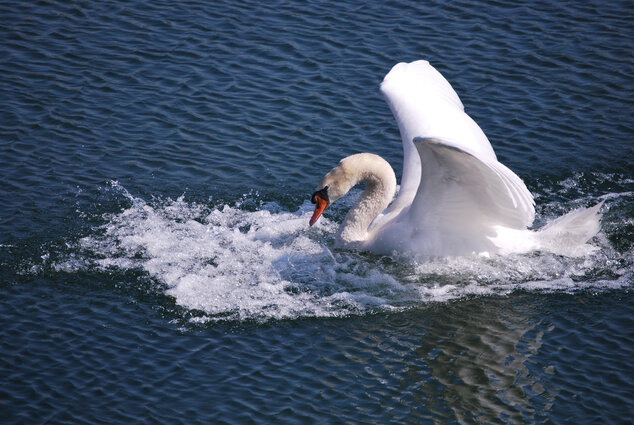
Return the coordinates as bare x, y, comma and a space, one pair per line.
333, 186
321, 200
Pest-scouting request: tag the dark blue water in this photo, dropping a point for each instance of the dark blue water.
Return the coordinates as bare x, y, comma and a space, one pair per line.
156, 264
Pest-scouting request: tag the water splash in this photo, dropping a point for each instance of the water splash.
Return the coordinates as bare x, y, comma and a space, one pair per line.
232, 263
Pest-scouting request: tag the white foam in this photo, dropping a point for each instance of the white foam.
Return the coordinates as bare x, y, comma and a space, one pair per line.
234, 264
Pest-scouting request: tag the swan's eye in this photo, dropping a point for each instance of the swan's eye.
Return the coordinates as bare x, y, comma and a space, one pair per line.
323, 194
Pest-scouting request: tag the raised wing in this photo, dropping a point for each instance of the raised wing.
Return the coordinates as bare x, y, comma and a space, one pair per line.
463, 194
459, 207
425, 105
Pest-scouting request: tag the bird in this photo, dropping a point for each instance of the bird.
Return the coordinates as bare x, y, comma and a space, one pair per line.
455, 197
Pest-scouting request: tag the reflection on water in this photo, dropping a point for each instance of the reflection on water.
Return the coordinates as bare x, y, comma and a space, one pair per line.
476, 360
479, 364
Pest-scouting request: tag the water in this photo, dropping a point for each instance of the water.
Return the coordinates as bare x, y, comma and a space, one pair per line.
156, 161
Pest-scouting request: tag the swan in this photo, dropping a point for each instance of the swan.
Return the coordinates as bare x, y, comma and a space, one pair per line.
455, 197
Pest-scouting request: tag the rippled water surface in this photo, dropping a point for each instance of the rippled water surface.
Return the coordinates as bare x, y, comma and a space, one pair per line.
156, 264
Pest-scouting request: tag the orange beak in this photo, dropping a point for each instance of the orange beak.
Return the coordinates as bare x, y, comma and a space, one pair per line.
320, 206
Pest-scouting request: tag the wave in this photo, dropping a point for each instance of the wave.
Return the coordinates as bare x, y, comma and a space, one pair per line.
236, 262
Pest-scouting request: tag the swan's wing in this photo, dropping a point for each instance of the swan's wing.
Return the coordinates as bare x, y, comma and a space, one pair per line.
425, 105
461, 194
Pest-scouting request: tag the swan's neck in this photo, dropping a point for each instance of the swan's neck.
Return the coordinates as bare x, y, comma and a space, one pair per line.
380, 186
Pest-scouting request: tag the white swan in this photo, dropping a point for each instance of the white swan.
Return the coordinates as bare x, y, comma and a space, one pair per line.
455, 197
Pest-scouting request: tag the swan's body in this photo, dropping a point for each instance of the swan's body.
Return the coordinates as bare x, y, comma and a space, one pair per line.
455, 198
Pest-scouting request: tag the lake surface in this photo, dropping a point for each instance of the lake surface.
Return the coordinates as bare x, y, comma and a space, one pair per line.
156, 263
